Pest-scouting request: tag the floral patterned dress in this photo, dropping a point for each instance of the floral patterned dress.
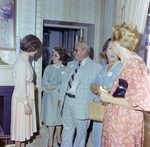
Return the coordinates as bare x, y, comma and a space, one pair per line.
123, 127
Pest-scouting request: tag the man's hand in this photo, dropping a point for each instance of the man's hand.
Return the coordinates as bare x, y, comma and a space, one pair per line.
51, 87
27, 109
59, 103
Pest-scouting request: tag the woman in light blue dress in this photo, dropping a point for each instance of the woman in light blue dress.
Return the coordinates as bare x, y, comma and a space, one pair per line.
105, 78
50, 113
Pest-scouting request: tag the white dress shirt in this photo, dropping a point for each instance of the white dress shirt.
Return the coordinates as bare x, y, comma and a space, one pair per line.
77, 77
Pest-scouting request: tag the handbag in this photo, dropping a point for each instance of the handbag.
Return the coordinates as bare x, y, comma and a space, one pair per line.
121, 89
96, 110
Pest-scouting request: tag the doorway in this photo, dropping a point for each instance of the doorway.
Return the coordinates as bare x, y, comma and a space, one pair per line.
64, 34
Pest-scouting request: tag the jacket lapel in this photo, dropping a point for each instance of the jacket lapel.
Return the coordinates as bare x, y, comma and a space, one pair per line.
86, 69
72, 69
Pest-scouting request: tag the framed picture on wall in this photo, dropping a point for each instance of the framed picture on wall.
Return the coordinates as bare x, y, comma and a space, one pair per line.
7, 24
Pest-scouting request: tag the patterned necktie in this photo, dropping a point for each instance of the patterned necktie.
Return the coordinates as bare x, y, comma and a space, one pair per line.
73, 75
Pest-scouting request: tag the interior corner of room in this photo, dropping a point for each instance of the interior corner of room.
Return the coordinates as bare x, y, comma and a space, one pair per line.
62, 23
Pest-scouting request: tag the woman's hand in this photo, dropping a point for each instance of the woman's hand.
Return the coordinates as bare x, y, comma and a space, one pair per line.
50, 87
59, 103
27, 109
106, 97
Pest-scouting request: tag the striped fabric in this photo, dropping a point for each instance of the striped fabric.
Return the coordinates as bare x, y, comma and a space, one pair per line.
72, 77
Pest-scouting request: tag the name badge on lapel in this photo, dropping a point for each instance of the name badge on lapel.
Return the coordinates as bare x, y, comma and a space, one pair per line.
62, 73
71, 66
109, 74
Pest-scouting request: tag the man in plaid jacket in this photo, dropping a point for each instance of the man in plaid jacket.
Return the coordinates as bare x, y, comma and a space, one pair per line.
73, 101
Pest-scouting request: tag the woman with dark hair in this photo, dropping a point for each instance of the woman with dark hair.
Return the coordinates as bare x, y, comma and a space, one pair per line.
50, 112
105, 78
23, 117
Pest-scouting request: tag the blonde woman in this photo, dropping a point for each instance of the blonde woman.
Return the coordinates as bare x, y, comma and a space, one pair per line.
123, 123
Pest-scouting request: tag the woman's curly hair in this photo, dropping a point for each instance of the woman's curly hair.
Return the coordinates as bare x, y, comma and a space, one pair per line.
127, 34
63, 54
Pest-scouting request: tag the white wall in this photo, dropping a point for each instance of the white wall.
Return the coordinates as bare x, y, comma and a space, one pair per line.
31, 13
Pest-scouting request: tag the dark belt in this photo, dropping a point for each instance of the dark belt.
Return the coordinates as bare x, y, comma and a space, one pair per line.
70, 95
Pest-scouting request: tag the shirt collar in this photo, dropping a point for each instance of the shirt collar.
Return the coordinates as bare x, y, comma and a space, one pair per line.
84, 61
58, 66
24, 55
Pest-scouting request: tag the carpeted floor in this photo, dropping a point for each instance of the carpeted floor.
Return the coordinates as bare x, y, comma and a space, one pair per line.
41, 140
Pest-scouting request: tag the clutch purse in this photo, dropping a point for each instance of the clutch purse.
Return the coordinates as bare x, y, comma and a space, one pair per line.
96, 110
121, 89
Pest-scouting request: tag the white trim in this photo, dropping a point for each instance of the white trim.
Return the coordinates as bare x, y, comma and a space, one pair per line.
69, 27
6, 78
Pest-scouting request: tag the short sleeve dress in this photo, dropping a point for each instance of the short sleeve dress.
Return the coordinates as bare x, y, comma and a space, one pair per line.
50, 112
103, 78
107, 79
123, 127
22, 126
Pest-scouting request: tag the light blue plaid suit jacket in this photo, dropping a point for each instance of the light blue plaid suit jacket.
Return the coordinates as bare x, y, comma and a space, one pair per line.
83, 93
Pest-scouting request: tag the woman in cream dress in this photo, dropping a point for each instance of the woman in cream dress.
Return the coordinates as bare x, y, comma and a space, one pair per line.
23, 117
